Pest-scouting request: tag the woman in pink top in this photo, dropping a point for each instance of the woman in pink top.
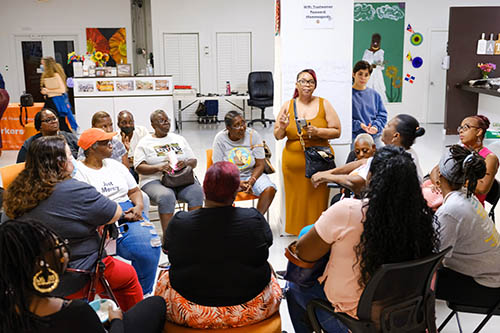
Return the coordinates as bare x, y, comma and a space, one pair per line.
472, 131
393, 224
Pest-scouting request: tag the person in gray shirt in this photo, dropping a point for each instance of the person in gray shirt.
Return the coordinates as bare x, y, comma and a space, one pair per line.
472, 267
244, 147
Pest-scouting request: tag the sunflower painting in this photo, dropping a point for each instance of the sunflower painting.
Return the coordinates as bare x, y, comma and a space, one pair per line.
112, 41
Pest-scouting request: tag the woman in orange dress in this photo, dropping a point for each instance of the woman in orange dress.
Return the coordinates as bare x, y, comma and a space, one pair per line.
304, 203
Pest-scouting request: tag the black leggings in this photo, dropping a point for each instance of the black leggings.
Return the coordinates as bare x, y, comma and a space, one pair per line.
146, 316
462, 289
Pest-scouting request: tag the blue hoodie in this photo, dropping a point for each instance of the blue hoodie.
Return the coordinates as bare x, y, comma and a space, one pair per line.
367, 108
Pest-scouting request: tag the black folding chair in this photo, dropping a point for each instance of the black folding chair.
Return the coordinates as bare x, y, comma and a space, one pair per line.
492, 198
98, 274
398, 298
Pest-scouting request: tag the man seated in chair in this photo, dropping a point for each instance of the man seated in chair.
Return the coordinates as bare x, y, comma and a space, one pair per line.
244, 148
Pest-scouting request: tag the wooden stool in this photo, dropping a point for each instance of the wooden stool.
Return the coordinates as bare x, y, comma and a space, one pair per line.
270, 325
29, 130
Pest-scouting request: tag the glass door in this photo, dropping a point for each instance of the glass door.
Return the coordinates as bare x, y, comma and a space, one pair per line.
31, 50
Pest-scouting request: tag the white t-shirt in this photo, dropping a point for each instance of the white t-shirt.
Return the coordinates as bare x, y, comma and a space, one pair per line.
154, 151
363, 170
464, 224
138, 134
113, 180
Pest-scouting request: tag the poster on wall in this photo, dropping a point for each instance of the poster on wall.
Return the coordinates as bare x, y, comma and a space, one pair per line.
379, 29
111, 41
318, 14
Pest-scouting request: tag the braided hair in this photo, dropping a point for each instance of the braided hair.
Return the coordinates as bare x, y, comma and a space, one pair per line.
22, 245
398, 225
461, 165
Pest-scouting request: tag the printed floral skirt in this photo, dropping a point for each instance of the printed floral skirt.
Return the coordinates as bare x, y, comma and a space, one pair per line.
186, 313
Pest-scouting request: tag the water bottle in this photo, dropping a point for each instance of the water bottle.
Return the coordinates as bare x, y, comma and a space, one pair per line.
228, 88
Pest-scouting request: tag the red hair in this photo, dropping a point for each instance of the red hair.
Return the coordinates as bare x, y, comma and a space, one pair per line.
313, 74
221, 182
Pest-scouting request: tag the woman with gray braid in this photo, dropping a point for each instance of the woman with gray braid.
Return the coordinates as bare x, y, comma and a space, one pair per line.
473, 264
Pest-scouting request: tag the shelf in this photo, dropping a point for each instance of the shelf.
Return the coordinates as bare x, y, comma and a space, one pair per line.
487, 91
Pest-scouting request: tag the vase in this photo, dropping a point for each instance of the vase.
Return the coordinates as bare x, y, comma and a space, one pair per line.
485, 76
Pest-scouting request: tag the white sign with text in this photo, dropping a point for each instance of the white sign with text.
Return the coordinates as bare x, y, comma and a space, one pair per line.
318, 14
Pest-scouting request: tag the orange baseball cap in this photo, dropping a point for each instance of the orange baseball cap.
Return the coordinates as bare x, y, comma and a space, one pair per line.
92, 135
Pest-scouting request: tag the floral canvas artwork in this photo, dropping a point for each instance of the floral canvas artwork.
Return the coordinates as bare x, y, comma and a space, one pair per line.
111, 41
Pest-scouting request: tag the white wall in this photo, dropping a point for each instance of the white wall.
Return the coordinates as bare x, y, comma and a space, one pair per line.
209, 17
30, 17
424, 16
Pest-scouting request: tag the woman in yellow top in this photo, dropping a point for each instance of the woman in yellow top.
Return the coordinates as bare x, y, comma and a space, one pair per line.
304, 203
53, 87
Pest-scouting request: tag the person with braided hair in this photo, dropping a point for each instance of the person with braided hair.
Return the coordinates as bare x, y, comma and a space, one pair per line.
473, 264
472, 131
32, 259
391, 224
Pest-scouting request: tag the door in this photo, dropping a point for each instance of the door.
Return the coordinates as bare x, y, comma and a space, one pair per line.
437, 77
182, 59
31, 49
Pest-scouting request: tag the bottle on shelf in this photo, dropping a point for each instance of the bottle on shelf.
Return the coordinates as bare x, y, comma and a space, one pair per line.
490, 45
481, 45
149, 68
497, 45
228, 88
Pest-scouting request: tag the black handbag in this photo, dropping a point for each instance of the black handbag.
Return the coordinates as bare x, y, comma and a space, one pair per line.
179, 178
304, 274
318, 158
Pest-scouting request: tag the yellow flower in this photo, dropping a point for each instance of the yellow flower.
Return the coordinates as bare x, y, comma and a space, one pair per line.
98, 55
391, 71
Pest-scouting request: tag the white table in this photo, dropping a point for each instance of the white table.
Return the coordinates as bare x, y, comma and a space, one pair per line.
190, 100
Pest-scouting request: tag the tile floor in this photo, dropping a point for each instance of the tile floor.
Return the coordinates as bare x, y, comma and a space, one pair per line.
428, 147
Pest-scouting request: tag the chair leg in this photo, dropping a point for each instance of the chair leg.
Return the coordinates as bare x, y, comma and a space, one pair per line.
443, 324
488, 316
458, 323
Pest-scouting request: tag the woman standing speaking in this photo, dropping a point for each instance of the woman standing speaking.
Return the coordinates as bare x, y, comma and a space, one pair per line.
304, 203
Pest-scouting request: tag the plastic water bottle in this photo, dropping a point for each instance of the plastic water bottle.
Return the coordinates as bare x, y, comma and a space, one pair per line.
149, 68
228, 88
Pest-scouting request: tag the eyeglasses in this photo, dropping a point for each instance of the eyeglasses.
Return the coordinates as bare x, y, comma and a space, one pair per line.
49, 120
241, 126
465, 128
303, 82
163, 121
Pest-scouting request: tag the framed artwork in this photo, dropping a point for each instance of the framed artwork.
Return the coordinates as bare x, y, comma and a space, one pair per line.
100, 71
124, 69
112, 41
379, 29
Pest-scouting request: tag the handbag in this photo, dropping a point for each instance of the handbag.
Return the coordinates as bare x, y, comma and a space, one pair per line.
318, 158
268, 167
182, 177
302, 273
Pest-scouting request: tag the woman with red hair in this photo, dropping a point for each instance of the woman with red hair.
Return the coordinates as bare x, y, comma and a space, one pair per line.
219, 275
472, 131
319, 122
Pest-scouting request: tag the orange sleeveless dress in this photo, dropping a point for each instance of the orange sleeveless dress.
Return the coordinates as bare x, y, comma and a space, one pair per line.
304, 203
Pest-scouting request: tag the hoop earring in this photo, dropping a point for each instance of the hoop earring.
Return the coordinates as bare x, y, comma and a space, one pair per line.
46, 280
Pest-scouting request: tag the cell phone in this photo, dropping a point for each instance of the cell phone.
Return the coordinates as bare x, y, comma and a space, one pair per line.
302, 122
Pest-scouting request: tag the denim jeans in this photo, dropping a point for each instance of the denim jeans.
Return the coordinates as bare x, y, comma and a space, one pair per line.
297, 298
142, 246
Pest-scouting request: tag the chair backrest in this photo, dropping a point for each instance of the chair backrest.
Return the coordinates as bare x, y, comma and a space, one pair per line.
397, 297
10, 172
260, 86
